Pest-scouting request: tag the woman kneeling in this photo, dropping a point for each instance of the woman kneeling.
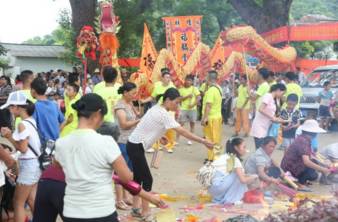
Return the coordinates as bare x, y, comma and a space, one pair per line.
229, 182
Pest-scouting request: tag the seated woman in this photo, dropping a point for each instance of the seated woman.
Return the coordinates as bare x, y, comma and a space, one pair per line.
230, 182
297, 159
262, 164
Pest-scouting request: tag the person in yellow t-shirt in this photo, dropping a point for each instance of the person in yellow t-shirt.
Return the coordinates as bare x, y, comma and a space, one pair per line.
243, 106
292, 87
73, 78
159, 89
263, 87
203, 88
110, 95
212, 115
71, 122
190, 98
102, 84
26, 77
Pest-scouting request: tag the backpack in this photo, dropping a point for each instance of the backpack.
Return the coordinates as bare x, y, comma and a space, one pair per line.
205, 175
47, 150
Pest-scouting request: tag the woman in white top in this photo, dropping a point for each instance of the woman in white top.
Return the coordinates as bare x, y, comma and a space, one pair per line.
150, 129
26, 140
89, 160
229, 182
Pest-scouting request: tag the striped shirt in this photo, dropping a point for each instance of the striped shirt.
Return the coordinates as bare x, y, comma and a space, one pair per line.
153, 126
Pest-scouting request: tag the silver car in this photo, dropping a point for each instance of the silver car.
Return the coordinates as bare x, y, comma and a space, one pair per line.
313, 84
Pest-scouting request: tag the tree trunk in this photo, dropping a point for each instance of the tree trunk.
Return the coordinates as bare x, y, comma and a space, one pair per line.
272, 14
83, 13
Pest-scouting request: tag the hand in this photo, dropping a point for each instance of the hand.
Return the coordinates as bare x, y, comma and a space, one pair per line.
204, 121
189, 96
6, 132
191, 106
11, 175
164, 140
326, 171
282, 175
208, 144
254, 176
274, 181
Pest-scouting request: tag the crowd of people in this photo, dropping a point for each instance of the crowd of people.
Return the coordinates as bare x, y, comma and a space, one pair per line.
104, 130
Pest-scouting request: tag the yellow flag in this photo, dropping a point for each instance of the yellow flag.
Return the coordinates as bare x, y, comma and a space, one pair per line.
217, 55
148, 54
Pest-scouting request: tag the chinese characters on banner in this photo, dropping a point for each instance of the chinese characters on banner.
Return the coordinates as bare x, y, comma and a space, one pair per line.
183, 33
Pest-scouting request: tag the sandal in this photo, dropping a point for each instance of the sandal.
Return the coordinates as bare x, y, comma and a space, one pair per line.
122, 205
148, 218
136, 213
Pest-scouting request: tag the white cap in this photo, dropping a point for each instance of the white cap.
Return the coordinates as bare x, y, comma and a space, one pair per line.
17, 98
312, 126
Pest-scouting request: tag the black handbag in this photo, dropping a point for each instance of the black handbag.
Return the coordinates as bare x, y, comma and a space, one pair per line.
47, 149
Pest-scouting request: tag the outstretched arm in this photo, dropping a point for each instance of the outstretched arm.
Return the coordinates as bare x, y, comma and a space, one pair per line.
187, 134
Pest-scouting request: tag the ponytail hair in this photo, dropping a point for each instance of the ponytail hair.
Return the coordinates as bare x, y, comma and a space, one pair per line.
29, 107
170, 94
126, 87
89, 104
231, 144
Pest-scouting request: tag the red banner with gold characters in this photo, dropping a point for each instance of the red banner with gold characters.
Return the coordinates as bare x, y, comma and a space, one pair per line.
183, 33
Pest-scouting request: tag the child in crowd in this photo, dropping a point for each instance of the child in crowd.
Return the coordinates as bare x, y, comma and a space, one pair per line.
326, 97
71, 115
292, 114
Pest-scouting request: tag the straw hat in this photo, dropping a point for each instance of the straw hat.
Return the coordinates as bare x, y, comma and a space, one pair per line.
5, 142
312, 126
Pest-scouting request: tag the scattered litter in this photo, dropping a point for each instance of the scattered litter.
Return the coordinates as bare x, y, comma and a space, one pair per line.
167, 215
166, 197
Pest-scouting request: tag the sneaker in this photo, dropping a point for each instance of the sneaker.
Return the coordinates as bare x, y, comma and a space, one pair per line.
150, 150
170, 151
189, 142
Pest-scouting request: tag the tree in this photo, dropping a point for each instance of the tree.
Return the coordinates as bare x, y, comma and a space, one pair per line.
263, 15
3, 50
83, 13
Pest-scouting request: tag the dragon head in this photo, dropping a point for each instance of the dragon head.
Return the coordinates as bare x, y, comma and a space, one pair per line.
108, 20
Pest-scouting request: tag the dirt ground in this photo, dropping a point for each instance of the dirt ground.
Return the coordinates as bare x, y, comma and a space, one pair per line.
176, 178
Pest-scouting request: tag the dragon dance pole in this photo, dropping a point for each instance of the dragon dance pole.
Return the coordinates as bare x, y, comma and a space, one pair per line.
85, 74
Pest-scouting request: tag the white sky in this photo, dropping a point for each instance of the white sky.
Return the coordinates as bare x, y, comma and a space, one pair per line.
23, 19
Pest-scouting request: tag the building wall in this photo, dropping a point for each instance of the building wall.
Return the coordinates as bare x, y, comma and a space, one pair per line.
36, 64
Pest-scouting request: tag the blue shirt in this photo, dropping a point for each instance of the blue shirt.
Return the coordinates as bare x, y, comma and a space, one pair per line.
326, 97
48, 118
314, 144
